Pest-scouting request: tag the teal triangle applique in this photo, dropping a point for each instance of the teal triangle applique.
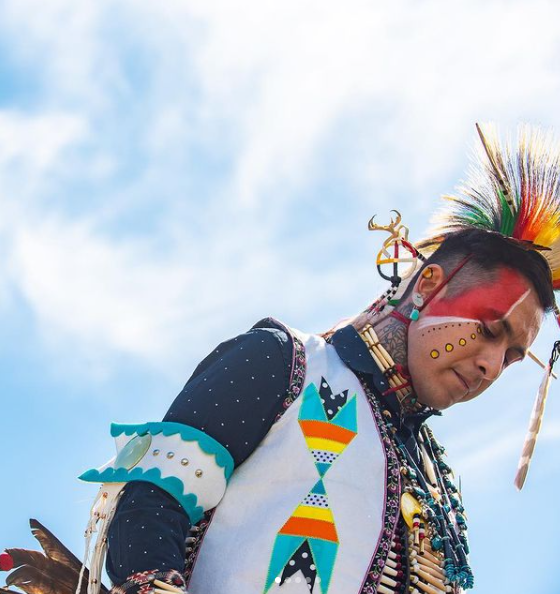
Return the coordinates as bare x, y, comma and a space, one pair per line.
347, 416
319, 488
284, 547
322, 467
323, 551
311, 406
324, 554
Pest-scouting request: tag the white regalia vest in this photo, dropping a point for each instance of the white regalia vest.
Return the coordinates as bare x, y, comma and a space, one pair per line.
319, 489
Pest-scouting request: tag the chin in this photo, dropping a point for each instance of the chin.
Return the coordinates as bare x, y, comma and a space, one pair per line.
437, 401
434, 405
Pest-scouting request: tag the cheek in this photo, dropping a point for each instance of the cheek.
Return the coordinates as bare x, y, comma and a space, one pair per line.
447, 342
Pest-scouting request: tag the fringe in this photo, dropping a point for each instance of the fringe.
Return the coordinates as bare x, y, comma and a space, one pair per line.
101, 515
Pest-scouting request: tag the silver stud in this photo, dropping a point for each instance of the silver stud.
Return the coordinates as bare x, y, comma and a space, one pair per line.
155, 453
170, 454
184, 461
198, 473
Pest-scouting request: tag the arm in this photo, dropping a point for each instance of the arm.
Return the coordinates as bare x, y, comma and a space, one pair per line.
234, 396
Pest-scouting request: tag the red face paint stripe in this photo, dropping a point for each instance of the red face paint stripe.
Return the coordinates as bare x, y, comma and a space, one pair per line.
489, 301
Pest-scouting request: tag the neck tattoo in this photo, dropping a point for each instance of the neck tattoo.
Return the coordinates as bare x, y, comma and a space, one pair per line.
387, 344
393, 335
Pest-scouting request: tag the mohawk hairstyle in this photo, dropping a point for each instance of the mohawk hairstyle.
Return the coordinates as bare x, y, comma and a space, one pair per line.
489, 251
512, 189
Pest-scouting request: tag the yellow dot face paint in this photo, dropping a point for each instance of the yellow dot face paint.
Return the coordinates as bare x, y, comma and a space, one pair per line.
434, 354
462, 342
473, 335
448, 347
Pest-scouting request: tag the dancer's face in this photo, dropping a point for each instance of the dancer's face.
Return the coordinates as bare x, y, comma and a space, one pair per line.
461, 344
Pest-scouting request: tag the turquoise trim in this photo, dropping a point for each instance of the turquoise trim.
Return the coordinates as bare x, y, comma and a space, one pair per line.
208, 444
171, 484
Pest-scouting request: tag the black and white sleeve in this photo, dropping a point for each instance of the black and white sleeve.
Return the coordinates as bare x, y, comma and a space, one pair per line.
234, 397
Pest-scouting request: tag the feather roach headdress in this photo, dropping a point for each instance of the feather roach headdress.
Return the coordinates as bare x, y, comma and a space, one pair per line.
513, 189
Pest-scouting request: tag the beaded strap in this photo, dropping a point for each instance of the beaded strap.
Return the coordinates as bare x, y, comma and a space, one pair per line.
194, 542
146, 582
391, 512
297, 377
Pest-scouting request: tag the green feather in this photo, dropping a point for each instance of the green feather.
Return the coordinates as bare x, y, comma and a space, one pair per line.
507, 221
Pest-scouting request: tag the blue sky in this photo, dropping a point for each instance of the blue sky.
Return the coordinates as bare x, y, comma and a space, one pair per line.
172, 172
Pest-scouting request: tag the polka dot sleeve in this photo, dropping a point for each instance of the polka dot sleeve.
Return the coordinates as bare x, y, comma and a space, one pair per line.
237, 392
235, 395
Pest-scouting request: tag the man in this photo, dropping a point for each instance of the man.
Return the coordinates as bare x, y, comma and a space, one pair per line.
293, 463
473, 325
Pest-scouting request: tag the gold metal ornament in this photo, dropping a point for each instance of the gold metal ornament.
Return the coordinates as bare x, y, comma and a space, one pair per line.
396, 249
410, 508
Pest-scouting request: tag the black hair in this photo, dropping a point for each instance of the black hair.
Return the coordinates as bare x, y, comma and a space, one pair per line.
489, 251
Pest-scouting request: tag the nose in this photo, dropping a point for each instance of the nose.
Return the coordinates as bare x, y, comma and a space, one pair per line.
490, 363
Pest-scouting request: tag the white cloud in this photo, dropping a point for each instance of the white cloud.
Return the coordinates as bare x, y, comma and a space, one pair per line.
269, 98
105, 295
275, 82
33, 150
35, 145
416, 76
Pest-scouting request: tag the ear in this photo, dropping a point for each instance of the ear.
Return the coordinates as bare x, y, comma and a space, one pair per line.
430, 279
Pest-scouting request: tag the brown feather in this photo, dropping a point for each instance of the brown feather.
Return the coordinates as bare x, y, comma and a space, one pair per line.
66, 577
25, 557
53, 548
35, 581
57, 572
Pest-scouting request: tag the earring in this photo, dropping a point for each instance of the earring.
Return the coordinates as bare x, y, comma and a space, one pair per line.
418, 301
428, 273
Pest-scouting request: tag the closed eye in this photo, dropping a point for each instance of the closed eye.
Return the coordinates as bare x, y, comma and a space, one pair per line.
513, 355
486, 332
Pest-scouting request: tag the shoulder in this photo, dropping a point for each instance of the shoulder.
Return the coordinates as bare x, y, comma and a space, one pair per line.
267, 343
273, 330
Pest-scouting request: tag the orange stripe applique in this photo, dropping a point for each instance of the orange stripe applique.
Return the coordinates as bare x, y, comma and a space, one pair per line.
326, 431
310, 528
